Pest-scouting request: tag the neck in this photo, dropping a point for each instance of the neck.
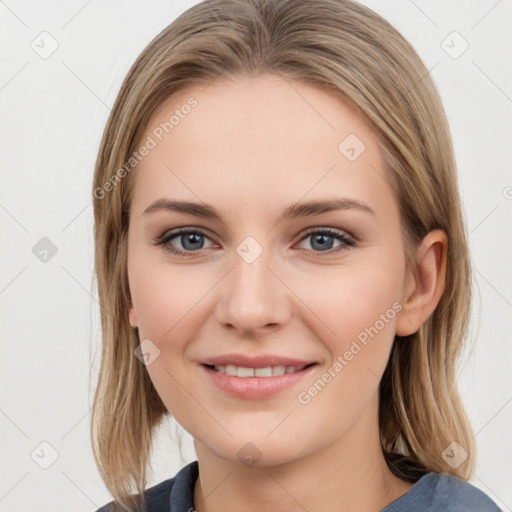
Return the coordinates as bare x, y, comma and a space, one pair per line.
350, 474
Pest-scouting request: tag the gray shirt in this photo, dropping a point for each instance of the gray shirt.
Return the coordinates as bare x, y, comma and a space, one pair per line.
433, 492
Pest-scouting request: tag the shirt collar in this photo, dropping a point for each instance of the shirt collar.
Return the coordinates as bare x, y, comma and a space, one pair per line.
182, 492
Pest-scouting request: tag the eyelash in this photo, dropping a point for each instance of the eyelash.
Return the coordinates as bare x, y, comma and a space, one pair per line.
165, 239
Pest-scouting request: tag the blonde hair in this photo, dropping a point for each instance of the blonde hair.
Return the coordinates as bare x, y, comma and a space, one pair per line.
342, 47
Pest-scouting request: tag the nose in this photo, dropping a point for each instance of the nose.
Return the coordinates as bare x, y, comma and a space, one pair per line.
254, 298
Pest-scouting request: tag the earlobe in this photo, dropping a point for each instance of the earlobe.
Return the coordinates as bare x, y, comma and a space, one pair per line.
132, 316
424, 288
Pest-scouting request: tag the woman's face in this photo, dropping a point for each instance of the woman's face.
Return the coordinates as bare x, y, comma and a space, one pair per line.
268, 280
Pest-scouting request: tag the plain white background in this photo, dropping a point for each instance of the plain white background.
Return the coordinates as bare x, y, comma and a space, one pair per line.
53, 113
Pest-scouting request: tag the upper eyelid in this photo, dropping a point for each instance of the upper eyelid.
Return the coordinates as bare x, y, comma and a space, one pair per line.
173, 233
334, 231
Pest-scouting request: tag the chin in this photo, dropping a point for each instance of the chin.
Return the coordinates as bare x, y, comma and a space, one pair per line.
254, 452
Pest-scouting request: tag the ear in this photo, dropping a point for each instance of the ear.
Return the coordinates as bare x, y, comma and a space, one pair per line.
133, 316
423, 289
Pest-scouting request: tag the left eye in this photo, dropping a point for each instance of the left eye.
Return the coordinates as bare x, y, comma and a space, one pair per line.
193, 240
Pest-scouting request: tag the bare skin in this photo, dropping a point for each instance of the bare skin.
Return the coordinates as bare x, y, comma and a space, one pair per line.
251, 148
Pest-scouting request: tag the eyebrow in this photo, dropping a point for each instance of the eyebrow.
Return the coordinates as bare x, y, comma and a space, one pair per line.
291, 212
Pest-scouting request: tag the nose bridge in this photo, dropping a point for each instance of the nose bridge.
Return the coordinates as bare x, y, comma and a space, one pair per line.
253, 297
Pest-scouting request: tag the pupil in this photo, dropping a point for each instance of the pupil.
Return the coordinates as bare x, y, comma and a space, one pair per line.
190, 238
321, 240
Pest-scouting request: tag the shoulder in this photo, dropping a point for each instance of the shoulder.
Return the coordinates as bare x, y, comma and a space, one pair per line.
177, 491
442, 492
455, 494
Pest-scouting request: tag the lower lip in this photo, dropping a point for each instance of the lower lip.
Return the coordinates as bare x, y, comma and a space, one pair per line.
255, 388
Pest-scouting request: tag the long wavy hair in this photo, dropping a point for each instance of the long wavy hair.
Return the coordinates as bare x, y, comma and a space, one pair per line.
339, 46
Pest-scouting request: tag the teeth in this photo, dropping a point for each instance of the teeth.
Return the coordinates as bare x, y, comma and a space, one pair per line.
263, 372
278, 370
269, 371
244, 372
230, 369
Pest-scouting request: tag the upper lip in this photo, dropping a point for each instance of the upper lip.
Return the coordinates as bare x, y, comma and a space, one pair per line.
261, 361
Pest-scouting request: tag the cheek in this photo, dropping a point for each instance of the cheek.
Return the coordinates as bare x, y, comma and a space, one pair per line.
359, 307
353, 299
171, 305
165, 298
168, 304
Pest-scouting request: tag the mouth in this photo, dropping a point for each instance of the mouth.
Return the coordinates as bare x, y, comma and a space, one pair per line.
257, 382
267, 371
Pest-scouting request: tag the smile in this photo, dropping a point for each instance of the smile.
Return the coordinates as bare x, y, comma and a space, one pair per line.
268, 371
255, 383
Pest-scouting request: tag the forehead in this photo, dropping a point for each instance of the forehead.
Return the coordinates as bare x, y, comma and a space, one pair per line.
259, 139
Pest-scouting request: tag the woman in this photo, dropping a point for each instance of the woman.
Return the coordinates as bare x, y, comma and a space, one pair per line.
283, 267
